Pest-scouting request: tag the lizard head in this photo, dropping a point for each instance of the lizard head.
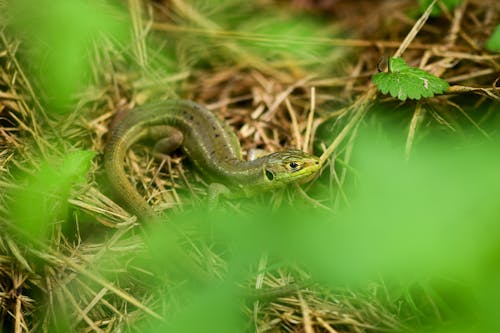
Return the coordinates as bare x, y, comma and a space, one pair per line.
289, 166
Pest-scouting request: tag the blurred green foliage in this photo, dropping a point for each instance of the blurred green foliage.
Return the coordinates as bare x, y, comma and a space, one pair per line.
240, 31
277, 36
214, 310
59, 36
433, 218
42, 198
493, 43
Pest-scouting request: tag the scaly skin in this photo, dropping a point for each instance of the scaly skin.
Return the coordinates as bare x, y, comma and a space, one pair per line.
209, 144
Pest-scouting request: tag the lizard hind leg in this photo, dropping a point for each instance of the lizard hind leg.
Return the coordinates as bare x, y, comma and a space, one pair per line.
167, 139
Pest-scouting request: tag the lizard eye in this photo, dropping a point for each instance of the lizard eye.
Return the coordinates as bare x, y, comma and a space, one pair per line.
293, 165
269, 175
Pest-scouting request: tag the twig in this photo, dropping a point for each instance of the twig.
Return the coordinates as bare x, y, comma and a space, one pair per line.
310, 118
414, 31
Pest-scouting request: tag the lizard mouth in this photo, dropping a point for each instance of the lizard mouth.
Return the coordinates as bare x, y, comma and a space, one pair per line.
310, 168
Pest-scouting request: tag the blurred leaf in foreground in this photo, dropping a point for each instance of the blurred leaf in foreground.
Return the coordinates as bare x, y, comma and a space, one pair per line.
215, 310
42, 199
435, 214
59, 35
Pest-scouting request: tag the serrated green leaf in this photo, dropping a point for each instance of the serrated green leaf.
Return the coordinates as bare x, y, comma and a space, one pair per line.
404, 82
493, 43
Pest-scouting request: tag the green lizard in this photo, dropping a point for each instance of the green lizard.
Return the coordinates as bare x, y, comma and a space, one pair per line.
208, 142
213, 148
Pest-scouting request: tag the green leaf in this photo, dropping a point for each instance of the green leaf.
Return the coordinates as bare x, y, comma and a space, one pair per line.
59, 38
42, 201
403, 81
493, 44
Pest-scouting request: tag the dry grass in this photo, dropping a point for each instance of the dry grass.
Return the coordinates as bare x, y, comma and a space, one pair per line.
89, 270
